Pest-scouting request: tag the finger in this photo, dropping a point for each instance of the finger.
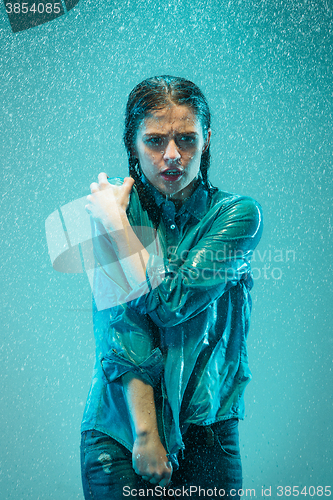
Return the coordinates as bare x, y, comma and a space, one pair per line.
167, 475
164, 482
103, 179
94, 187
88, 209
128, 184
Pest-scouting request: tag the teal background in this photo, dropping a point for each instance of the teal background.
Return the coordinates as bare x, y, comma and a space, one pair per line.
266, 69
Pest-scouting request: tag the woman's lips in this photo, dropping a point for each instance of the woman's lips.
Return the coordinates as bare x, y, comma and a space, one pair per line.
171, 174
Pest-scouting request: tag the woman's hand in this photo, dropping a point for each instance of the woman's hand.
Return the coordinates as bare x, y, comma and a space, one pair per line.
108, 203
150, 460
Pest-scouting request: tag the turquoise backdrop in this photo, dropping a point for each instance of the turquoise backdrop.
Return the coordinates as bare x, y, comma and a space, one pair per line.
266, 69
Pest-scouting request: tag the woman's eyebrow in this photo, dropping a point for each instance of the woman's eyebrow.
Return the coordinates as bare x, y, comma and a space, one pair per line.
160, 134
149, 134
187, 133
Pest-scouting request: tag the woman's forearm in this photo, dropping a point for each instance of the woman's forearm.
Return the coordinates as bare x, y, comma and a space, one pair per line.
132, 255
141, 404
149, 455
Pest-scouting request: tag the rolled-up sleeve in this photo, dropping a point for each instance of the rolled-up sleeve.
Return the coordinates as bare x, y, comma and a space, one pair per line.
115, 364
219, 259
127, 342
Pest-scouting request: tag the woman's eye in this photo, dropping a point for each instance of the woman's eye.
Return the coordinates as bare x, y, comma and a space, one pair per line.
154, 141
186, 140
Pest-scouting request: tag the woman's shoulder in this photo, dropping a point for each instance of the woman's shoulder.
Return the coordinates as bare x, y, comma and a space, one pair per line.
235, 210
220, 199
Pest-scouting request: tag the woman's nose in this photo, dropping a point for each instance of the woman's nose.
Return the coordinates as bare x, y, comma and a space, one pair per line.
171, 152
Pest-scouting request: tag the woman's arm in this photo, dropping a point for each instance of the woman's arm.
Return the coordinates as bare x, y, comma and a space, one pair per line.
108, 203
218, 260
149, 455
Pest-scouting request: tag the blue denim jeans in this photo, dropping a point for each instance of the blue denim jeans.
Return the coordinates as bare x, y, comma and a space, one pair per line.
210, 466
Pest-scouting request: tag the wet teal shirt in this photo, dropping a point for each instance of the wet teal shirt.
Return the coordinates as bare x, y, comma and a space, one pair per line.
184, 329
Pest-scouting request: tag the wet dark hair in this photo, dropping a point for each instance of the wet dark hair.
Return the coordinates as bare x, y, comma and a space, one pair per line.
153, 94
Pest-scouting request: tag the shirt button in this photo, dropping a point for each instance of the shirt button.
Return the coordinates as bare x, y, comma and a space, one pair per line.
172, 226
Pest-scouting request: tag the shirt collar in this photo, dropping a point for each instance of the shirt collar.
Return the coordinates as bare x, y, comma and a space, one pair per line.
196, 205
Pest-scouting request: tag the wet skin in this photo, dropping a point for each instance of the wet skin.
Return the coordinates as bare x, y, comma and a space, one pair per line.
169, 145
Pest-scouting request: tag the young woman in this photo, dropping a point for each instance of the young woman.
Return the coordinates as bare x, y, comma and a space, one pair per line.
171, 309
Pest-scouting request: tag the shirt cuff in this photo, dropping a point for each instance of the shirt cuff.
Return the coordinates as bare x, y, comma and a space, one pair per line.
115, 364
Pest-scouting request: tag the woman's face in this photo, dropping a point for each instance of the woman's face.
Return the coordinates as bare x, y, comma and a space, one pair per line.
169, 145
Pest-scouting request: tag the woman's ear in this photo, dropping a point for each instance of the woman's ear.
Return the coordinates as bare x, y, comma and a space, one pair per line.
207, 141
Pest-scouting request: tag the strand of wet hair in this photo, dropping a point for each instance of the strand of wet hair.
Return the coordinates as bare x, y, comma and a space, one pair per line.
146, 197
